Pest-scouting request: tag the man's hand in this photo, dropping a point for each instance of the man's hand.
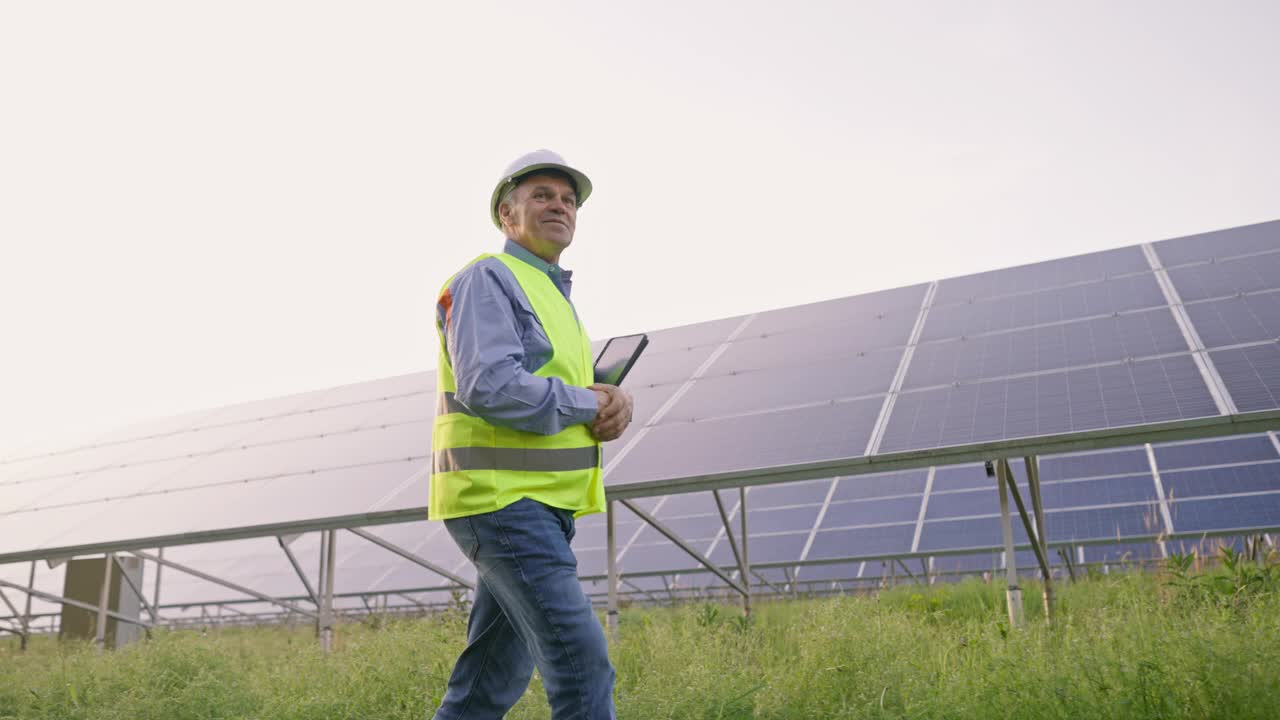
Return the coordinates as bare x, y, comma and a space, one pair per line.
613, 414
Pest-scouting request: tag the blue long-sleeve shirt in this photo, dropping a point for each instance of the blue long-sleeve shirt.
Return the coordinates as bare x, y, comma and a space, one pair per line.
495, 343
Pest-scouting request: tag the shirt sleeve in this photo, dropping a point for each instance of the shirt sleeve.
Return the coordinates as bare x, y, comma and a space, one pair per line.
482, 337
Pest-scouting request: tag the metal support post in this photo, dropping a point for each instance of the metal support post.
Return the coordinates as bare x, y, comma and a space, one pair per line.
104, 596
320, 573
746, 563
326, 614
31, 583
1026, 520
142, 600
1041, 537
1013, 594
155, 601
611, 614
1065, 554
21, 619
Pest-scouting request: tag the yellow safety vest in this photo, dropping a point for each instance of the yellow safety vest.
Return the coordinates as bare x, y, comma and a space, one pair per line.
478, 467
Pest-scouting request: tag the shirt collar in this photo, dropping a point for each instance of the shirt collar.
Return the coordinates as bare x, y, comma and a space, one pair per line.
516, 249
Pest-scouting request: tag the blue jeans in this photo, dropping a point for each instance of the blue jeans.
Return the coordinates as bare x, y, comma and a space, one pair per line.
529, 611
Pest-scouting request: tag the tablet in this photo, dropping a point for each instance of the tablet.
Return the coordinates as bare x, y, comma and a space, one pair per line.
618, 356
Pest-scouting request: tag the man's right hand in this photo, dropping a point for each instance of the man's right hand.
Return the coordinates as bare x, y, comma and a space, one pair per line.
613, 413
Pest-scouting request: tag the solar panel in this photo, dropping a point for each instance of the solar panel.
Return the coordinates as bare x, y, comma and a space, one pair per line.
1105, 340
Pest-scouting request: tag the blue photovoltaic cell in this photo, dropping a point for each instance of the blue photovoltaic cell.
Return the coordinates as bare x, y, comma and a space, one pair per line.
871, 512
1221, 480
968, 533
961, 477
963, 503
1052, 347
670, 367
1220, 451
716, 395
691, 527
1103, 523
1105, 297
1237, 320
1107, 491
860, 487
1134, 393
1110, 462
1227, 278
771, 548
782, 437
772, 520
1249, 511
756, 348
861, 542
1252, 375
660, 556
796, 493
898, 307
1219, 243
697, 503
1043, 275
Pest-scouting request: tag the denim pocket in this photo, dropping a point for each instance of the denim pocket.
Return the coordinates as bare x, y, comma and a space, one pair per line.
464, 534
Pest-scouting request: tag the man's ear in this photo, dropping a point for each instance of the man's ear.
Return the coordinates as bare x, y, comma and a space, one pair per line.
504, 212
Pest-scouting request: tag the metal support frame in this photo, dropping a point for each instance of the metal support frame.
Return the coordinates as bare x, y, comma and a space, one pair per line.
137, 591
411, 557
1034, 535
155, 600
611, 613
104, 596
23, 621
224, 583
746, 561
297, 569
739, 555
1041, 538
73, 603
675, 538
1013, 593
326, 600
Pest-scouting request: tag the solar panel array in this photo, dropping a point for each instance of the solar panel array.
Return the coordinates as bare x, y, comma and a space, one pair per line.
1179, 329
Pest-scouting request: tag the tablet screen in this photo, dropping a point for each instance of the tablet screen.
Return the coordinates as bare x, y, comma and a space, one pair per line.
618, 356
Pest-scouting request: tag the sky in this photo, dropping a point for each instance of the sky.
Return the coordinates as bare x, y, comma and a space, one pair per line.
210, 203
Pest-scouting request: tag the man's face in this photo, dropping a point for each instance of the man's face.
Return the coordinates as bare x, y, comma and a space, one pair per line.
541, 214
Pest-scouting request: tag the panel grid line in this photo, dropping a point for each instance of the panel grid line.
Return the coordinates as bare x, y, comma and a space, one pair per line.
882, 422
924, 507
1212, 380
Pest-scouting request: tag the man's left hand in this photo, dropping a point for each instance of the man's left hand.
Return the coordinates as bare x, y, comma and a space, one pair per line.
613, 419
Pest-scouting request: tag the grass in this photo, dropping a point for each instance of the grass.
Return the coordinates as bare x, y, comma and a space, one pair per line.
1133, 645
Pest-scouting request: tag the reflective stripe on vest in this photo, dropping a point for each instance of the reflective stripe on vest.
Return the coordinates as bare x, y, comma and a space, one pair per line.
478, 467
522, 459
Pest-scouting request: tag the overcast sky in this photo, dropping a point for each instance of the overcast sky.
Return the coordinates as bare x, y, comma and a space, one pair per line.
206, 203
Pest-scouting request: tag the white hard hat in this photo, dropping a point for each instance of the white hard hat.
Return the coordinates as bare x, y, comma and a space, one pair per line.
529, 163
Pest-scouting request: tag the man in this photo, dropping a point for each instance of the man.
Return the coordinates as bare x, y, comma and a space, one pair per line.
516, 454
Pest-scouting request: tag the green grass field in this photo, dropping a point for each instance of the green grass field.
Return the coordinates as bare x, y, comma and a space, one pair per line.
1134, 645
